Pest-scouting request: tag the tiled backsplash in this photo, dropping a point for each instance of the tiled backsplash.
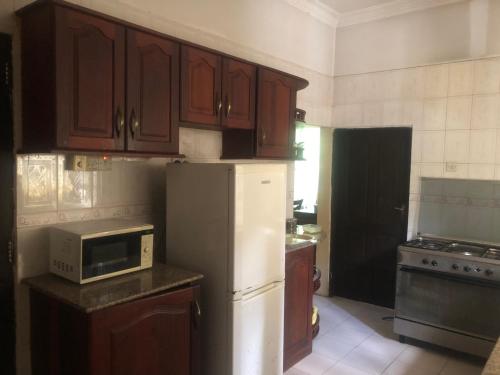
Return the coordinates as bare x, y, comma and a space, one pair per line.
467, 209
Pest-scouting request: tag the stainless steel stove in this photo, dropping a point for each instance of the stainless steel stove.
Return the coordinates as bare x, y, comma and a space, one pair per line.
448, 293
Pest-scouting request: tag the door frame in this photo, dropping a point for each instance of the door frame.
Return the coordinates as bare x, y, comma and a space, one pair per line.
331, 286
7, 191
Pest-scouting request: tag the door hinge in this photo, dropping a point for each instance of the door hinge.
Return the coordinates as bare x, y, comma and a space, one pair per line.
10, 247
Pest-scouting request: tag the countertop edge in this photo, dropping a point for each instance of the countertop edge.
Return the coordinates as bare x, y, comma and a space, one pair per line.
292, 248
492, 366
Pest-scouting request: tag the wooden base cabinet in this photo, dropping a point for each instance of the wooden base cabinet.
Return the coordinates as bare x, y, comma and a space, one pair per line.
299, 268
154, 335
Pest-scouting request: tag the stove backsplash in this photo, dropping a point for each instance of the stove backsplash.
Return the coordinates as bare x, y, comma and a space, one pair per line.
466, 209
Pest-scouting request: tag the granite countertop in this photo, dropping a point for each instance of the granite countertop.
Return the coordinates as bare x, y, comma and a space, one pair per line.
105, 293
493, 365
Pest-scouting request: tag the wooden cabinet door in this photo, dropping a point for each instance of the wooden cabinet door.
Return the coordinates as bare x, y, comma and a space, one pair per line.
90, 81
275, 115
150, 336
201, 100
152, 93
238, 89
298, 305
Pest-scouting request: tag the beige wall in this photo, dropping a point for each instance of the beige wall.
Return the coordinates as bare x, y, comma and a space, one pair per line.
463, 30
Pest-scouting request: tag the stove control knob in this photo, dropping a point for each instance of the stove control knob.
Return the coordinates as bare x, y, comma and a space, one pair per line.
425, 261
488, 272
467, 269
477, 269
434, 263
455, 267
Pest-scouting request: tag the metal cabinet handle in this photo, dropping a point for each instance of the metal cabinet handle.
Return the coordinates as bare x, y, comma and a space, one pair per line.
197, 314
198, 310
218, 104
119, 121
228, 107
263, 137
134, 123
401, 209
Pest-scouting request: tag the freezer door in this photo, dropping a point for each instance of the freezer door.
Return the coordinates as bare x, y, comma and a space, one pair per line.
257, 332
259, 226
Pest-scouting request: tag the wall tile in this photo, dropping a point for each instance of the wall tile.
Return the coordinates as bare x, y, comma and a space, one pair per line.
353, 115
486, 112
436, 81
37, 183
453, 220
393, 113
373, 113
74, 187
431, 170
458, 171
433, 143
429, 221
458, 112
416, 146
413, 112
434, 114
482, 146
461, 78
487, 76
478, 223
481, 171
457, 146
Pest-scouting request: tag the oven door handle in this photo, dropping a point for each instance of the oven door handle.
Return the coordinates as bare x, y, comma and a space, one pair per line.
448, 277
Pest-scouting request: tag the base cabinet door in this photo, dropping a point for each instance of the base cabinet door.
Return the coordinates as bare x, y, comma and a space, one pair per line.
298, 305
152, 93
156, 335
276, 99
90, 81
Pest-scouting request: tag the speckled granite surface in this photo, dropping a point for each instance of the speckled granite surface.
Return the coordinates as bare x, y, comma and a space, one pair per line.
106, 293
493, 365
292, 244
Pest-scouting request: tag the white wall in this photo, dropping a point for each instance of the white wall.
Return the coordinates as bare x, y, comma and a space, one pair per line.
272, 33
463, 30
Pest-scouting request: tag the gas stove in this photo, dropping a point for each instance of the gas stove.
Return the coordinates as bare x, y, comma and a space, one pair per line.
451, 256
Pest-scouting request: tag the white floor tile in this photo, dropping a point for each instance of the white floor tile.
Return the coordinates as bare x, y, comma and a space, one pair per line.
355, 340
343, 369
314, 364
367, 361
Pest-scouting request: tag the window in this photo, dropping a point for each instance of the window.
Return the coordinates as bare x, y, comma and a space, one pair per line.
307, 171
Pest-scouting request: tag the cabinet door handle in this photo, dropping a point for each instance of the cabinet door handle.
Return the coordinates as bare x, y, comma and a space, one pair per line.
218, 104
197, 314
119, 121
228, 107
263, 137
134, 123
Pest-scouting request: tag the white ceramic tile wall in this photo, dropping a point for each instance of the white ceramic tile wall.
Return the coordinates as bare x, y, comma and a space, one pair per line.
453, 108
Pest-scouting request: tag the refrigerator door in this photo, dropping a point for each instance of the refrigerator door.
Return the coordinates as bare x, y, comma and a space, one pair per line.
259, 214
257, 332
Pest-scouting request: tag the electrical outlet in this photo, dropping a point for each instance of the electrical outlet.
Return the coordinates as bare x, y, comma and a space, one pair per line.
451, 167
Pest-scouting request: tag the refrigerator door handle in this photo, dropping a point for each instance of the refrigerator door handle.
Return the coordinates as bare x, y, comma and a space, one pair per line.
264, 289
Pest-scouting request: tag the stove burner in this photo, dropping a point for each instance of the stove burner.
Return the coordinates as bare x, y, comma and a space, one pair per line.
422, 243
492, 254
464, 249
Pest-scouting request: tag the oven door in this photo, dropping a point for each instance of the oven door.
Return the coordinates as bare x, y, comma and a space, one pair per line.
459, 304
115, 254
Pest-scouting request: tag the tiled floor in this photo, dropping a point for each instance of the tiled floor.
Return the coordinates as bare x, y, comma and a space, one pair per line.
354, 340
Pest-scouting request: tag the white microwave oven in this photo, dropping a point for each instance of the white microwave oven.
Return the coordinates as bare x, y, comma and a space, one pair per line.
94, 250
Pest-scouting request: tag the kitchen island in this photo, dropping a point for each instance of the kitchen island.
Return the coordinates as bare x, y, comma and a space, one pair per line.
493, 365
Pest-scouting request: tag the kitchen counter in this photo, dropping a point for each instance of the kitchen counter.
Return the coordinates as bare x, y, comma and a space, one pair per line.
101, 294
293, 244
493, 365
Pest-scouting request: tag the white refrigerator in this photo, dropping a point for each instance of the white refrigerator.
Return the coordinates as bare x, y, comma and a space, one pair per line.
227, 221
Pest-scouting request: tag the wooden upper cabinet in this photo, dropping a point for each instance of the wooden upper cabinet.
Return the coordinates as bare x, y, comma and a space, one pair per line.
276, 100
152, 93
90, 86
238, 89
201, 99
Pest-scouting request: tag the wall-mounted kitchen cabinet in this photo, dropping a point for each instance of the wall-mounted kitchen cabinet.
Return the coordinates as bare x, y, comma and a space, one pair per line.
274, 133
94, 83
75, 71
216, 91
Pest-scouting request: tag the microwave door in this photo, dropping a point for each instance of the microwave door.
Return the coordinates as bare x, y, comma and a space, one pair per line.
110, 255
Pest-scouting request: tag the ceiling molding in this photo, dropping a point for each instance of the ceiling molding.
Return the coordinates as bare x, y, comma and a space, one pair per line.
317, 10
394, 8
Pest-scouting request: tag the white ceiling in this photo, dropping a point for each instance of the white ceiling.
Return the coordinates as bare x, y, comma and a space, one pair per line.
345, 6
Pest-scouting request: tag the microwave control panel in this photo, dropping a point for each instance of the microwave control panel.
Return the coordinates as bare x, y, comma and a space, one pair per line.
147, 251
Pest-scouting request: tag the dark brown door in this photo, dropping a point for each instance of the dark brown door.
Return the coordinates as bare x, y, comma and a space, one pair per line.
7, 162
238, 89
150, 336
298, 305
152, 93
275, 115
201, 99
370, 192
90, 64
